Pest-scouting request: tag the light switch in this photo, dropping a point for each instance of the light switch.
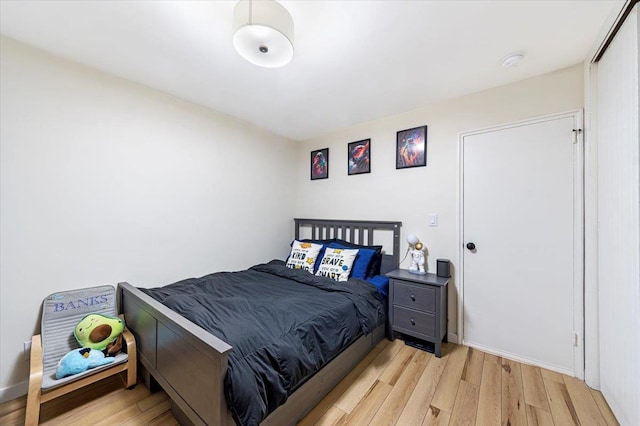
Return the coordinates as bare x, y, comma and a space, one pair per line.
433, 220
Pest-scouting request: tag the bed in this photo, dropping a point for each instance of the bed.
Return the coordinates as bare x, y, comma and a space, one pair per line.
167, 341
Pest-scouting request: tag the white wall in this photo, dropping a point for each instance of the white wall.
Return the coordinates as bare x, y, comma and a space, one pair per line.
410, 195
104, 181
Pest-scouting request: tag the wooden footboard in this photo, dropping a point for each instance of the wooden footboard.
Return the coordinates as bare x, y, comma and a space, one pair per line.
186, 360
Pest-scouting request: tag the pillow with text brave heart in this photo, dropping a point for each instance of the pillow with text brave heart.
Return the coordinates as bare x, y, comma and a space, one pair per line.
336, 263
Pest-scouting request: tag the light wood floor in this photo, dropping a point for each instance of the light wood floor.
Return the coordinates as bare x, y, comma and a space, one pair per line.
394, 385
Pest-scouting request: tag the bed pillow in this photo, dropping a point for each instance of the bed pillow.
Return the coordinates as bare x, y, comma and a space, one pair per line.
303, 255
336, 263
324, 244
382, 284
368, 263
362, 262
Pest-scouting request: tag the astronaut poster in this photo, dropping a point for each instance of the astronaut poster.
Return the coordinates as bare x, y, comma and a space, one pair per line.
411, 148
320, 164
359, 157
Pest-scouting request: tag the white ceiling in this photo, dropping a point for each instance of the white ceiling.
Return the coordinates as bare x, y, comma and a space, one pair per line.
354, 61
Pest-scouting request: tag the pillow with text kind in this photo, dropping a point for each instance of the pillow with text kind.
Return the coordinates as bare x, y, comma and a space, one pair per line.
303, 255
336, 263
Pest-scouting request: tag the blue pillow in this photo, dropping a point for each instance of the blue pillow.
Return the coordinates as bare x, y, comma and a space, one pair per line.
374, 265
360, 266
382, 284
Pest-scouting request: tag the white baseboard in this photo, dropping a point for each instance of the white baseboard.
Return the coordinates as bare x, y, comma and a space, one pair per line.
452, 338
520, 359
13, 391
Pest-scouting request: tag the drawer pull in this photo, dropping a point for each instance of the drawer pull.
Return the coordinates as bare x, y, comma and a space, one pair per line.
413, 297
413, 322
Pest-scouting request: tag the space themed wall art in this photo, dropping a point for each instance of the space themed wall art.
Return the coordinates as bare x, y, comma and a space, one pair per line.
411, 148
359, 157
320, 164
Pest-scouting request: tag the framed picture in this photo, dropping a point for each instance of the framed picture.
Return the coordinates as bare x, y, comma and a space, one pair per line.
359, 157
411, 148
320, 164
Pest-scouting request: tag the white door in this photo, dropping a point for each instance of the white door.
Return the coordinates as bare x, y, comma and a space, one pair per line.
521, 197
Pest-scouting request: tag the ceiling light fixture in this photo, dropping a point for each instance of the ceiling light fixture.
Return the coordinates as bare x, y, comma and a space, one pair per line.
512, 60
263, 33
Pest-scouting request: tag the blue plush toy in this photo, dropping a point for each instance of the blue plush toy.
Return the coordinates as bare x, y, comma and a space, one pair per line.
80, 360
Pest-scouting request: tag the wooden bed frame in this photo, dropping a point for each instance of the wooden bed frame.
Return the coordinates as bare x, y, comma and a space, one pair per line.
190, 364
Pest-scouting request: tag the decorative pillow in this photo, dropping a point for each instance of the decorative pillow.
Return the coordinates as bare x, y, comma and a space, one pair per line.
303, 256
367, 263
324, 244
362, 262
336, 263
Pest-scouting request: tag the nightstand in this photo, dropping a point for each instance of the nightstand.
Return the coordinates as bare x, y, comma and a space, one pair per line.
418, 306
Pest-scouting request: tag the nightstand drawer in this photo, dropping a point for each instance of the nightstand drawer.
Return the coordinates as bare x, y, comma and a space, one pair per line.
417, 297
412, 322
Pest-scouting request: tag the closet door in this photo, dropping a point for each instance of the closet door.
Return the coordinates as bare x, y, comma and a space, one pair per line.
618, 223
521, 242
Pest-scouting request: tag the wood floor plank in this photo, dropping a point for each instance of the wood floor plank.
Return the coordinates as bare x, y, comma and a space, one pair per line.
513, 409
436, 417
148, 416
534, 392
586, 407
345, 384
13, 405
166, 419
119, 416
538, 417
352, 396
103, 407
152, 400
73, 401
333, 416
369, 405
13, 418
466, 405
392, 373
445, 395
395, 402
604, 408
490, 398
493, 358
551, 375
560, 403
472, 372
418, 404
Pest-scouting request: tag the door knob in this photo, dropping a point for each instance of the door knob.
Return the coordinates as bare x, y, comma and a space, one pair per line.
471, 246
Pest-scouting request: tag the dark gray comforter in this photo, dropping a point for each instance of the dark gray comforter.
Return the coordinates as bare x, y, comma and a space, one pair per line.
283, 324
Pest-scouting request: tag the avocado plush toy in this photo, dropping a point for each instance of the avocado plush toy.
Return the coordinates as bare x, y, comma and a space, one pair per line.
80, 360
101, 332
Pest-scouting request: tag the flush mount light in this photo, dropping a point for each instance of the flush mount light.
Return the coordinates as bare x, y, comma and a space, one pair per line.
263, 33
512, 60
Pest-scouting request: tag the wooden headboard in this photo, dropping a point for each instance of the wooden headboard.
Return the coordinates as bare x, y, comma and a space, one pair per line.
363, 232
